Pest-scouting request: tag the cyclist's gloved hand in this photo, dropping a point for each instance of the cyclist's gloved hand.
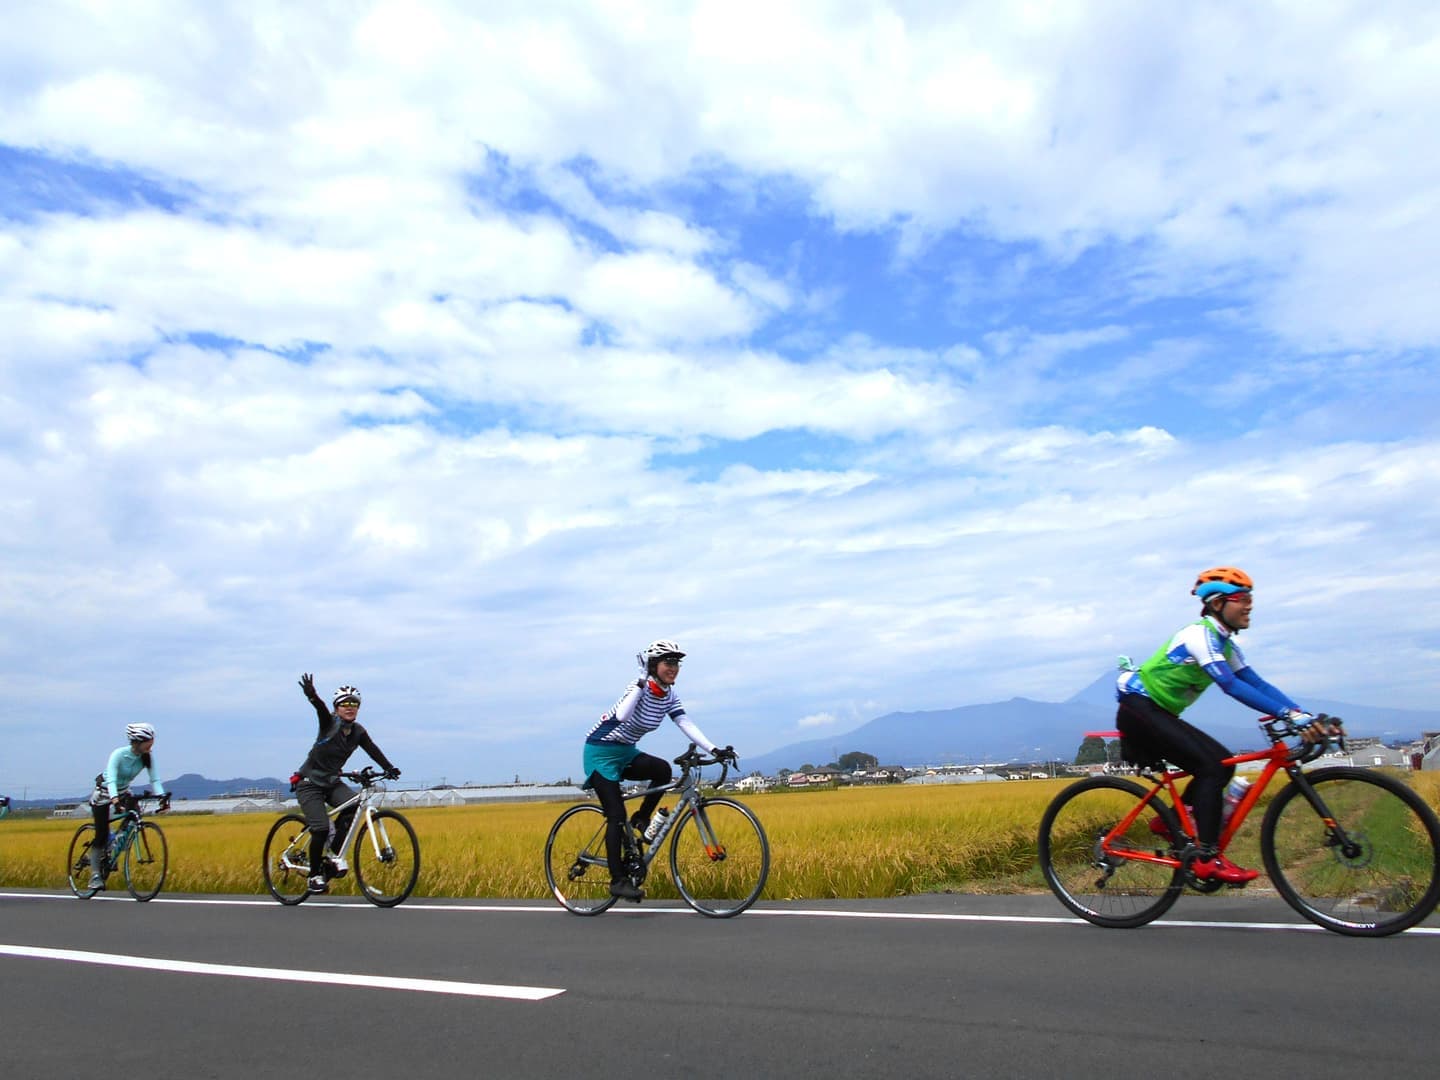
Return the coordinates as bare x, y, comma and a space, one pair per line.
307, 683
164, 803
727, 753
1324, 728
392, 774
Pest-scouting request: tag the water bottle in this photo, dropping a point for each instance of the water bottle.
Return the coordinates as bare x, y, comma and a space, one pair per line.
656, 824
1234, 792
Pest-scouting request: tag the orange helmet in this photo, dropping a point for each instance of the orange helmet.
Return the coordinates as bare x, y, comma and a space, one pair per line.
1221, 581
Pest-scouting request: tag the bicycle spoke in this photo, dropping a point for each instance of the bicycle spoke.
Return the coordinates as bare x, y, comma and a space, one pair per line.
576, 868
146, 861
1377, 874
719, 858
286, 859
386, 859
77, 862
1090, 873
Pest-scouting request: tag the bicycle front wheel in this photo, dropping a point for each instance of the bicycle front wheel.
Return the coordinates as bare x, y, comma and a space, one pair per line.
146, 860
286, 860
1376, 873
387, 859
1090, 869
719, 858
576, 867
77, 862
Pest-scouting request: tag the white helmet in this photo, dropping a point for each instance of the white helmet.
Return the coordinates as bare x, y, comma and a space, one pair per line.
139, 732
344, 693
657, 650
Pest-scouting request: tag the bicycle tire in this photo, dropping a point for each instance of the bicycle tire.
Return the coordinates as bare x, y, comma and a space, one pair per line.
285, 861
1127, 892
576, 867
1385, 882
77, 862
147, 859
724, 877
388, 878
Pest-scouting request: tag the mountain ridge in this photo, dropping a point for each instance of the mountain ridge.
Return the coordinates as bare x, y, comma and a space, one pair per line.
1023, 729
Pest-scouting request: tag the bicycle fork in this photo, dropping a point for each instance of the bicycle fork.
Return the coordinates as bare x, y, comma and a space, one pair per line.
713, 847
379, 838
1335, 835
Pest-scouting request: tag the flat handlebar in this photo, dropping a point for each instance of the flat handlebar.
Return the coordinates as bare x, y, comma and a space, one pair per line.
369, 776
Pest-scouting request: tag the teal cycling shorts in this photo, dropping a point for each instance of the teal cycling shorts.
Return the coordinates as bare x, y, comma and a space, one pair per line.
609, 759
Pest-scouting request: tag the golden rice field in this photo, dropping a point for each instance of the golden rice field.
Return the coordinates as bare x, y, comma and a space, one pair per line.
858, 842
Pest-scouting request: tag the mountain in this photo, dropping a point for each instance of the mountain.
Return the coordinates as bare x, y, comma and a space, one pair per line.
1024, 730
194, 786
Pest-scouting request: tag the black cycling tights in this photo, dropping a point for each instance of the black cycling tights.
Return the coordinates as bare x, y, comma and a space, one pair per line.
1182, 743
643, 767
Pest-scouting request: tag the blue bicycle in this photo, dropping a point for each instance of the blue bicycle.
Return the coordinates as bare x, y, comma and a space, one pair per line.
135, 843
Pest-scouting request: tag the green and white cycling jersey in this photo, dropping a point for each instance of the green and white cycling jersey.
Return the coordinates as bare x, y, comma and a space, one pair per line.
1197, 655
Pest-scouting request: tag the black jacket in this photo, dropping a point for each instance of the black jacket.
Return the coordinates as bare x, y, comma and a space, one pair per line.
333, 746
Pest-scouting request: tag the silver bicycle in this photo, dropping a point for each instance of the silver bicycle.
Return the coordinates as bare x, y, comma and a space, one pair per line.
719, 854
385, 855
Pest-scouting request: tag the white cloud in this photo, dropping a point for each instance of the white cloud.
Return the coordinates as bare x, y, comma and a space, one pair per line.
501, 377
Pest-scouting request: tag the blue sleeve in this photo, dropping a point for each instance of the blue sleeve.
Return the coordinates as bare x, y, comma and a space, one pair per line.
1248, 689
1248, 675
156, 787
112, 772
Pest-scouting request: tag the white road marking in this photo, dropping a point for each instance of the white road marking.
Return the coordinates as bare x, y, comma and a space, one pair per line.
754, 912
331, 979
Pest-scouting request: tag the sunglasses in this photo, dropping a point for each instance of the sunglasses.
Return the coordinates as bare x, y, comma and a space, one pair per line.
669, 660
349, 704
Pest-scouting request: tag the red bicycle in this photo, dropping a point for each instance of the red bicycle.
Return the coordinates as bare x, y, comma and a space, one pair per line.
1355, 850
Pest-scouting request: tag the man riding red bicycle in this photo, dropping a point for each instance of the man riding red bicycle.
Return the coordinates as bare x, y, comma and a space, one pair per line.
1153, 696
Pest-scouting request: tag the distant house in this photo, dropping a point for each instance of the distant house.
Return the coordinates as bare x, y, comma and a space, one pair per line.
752, 783
798, 779
1430, 750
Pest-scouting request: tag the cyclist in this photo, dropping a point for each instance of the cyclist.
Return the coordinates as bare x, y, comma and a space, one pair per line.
318, 783
1153, 696
611, 754
112, 789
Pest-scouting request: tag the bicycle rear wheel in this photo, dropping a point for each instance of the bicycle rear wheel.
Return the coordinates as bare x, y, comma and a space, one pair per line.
1384, 877
576, 868
1093, 876
387, 859
286, 860
146, 860
77, 862
719, 858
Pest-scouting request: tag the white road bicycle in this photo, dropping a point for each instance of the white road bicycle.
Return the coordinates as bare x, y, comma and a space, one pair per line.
384, 853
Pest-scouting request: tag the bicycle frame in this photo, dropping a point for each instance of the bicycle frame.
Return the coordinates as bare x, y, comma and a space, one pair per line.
1280, 757
691, 797
689, 788
362, 800
124, 830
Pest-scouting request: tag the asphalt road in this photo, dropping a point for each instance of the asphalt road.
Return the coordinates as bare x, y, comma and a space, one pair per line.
932, 986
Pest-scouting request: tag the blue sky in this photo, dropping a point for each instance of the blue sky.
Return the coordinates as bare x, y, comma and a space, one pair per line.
890, 357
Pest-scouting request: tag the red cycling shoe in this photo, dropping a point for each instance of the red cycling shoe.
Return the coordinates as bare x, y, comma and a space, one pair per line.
1222, 869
